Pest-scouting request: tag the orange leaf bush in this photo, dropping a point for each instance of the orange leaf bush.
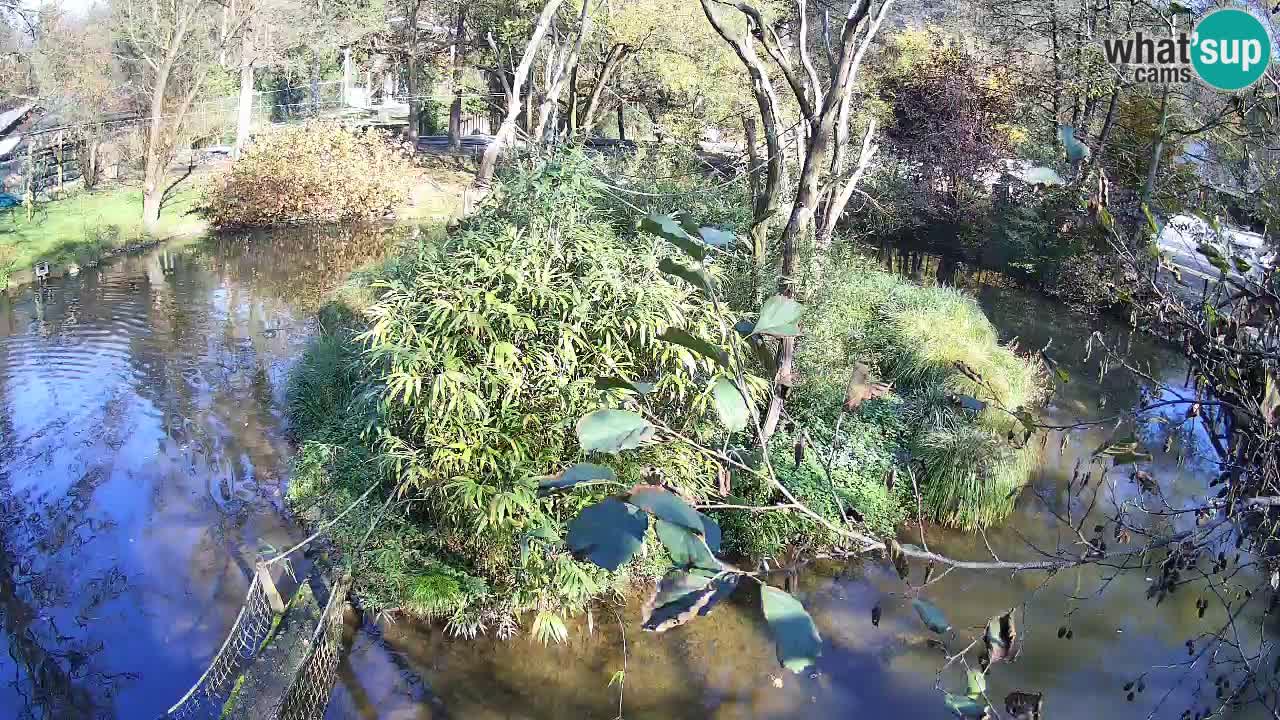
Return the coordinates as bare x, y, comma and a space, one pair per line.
313, 173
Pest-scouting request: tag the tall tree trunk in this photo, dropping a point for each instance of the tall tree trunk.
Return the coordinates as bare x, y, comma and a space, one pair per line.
455, 108
244, 118
154, 167
571, 124
559, 67
755, 181
840, 195
1107, 125
1157, 149
315, 86
612, 61
767, 200
1055, 48
622, 122
497, 88
415, 103
346, 75
489, 162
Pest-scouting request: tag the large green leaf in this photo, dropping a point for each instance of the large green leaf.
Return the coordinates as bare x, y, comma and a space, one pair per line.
696, 344
794, 633
613, 431
730, 405
696, 278
1001, 639
686, 548
608, 533
977, 683
778, 317
931, 616
710, 533
965, 707
617, 383
666, 505
670, 229
716, 237
680, 596
725, 584
582, 472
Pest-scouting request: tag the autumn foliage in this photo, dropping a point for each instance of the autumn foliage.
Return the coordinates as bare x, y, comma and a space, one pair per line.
317, 172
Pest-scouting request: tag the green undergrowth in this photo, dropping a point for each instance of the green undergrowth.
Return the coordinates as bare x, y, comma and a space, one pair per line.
395, 565
456, 383
450, 378
936, 347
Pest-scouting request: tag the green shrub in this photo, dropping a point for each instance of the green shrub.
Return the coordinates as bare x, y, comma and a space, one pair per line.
480, 355
315, 172
866, 451
917, 338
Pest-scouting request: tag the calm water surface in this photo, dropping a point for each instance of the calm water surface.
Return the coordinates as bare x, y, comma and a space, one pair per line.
143, 459
142, 463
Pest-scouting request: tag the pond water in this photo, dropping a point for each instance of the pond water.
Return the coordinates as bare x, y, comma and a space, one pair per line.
143, 458
142, 463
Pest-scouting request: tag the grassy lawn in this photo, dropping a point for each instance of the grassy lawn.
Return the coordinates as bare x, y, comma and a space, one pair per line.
84, 226
437, 192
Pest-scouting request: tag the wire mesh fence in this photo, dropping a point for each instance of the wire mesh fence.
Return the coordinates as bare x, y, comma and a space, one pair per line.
308, 693
308, 690
207, 696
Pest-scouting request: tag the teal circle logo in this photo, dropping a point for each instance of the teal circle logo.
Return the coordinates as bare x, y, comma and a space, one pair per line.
1230, 49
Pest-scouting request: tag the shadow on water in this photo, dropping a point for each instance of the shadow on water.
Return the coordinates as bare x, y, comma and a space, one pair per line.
722, 666
142, 461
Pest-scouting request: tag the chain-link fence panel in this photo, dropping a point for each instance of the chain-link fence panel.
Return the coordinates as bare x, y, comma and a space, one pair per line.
207, 696
308, 693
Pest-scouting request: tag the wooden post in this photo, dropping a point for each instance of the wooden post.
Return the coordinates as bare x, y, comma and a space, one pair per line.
269, 587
